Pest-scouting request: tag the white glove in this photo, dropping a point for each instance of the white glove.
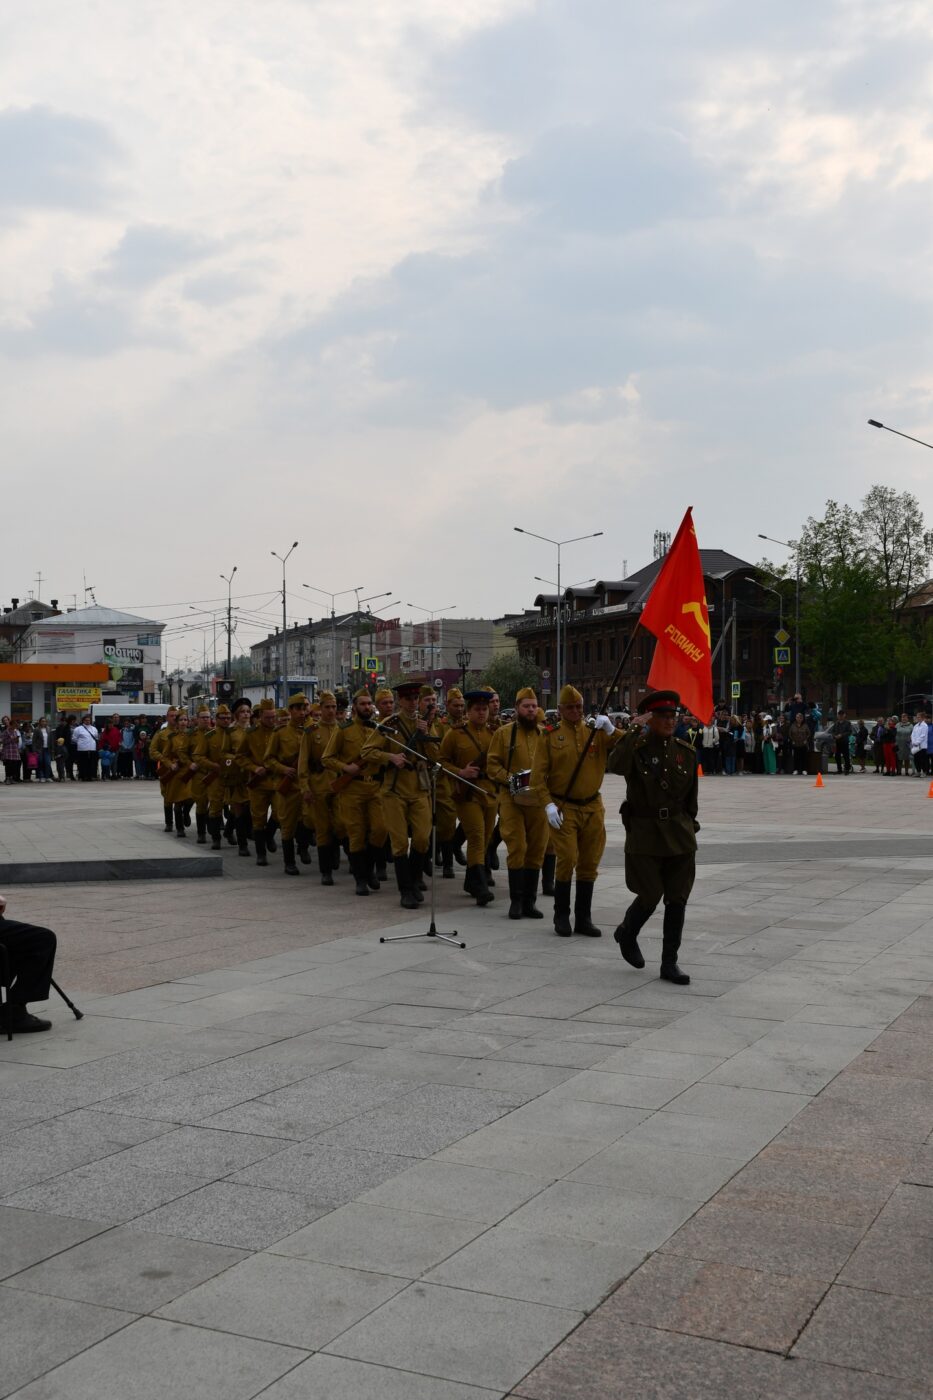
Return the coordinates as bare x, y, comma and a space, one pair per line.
604, 723
554, 816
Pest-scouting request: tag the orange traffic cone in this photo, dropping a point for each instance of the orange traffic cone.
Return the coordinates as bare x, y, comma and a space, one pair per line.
700, 772
930, 791
819, 781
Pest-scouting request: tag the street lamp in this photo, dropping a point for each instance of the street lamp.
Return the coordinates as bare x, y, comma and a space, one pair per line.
359, 601
284, 560
228, 580
464, 657
873, 423
558, 544
432, 613
561, 614
333, 620
796, 553
766, 588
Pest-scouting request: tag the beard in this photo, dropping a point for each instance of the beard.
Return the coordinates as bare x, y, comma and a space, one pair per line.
531, 723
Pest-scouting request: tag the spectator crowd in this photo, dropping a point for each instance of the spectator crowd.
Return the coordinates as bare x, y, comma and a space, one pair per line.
76, 749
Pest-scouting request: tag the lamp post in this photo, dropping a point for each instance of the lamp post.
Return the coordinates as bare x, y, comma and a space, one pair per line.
796, 553
359, 649
333, 621
766, 588
432, 613
228, 580
284, 560
558, 544
873, 423
464, 657
582, 583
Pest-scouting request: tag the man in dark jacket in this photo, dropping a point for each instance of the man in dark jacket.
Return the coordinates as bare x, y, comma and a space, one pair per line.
841, 732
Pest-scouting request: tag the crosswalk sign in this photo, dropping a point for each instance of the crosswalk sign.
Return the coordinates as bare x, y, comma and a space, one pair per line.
782, 656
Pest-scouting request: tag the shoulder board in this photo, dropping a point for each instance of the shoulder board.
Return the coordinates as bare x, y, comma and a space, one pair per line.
685, 745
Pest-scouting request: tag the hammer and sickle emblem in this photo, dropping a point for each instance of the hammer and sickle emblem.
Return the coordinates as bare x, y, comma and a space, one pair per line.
697, 610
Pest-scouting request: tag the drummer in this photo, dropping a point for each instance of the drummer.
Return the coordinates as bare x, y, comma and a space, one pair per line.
522, 819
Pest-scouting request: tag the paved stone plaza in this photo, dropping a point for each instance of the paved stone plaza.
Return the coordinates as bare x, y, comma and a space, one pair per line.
280, 1158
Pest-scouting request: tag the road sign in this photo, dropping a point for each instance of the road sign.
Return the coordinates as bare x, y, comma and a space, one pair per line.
438, 683
782, 636
736, 690
76, 697
545, 675
782, 656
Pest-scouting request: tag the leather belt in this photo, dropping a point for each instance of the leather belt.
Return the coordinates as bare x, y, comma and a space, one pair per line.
579, 801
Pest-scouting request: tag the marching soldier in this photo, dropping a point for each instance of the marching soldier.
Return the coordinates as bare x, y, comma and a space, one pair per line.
203, 771
493, 724
360, 807
175, 754
659, 814
384, 701
343, 705
315, 783
464, 752
456, 706
156, 751
523, 821
260, 782
567, 773
446, 810
217, 757
405, 789
282, 760
236, 793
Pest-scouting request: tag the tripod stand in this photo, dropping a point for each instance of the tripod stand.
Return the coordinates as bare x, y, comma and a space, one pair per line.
434, 769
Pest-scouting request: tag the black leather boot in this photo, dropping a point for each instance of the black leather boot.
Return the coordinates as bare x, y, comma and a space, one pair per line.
516, 893
302, 842
626, 935
169, 823
547, 874
186, 808
242, 833
358, 870
372, 854
447, 860
334, 854
324, 865
582, 910
476, 885
416, 864
457, 845
201, 819
403, 880
530, 909
562, 925
383, 856
179, 811
272, 827
492, 850
216, 830
261, 845
674, 915
230, 829
288, 856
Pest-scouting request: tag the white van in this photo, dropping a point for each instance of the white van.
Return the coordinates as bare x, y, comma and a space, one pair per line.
105, 710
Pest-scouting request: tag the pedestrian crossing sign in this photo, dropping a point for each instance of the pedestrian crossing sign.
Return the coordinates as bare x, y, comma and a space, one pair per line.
736, 690
782, 656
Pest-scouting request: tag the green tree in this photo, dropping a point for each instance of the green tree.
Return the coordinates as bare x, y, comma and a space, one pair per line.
510, 672
899, 546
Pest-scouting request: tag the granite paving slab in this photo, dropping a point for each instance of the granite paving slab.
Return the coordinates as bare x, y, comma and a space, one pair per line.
404, 1243
42, 1332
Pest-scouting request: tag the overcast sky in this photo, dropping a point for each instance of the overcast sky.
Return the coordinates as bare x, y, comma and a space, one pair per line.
391, 276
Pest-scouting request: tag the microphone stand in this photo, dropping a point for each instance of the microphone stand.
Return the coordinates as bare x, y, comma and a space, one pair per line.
434, 770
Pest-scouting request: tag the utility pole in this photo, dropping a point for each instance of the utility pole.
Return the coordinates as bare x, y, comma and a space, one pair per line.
284, 560
228, 580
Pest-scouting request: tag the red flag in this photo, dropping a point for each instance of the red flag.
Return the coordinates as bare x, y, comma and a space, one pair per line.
677, 614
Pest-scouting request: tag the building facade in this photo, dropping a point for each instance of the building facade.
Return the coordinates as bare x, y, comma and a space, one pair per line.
129, 646
598, 622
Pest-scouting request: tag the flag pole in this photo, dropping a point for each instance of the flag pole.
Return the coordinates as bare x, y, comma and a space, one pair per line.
620, 668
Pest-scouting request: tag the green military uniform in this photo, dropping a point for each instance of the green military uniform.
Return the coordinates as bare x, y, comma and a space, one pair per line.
659, 815
360, 805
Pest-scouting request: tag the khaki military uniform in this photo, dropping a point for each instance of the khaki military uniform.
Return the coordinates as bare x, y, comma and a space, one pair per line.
404, 793
464, 745
524, 829
360, 805
446, 810
218, 755
282, 757
320, 810
580, 842
260, 789
175, 757
203, 773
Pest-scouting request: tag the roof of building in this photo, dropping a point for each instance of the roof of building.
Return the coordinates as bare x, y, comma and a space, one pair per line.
99, 617
26, 613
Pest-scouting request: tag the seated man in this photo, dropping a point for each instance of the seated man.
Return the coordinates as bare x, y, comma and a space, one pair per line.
31, 953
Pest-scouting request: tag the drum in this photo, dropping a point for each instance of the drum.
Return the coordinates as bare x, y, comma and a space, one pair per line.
520, 789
